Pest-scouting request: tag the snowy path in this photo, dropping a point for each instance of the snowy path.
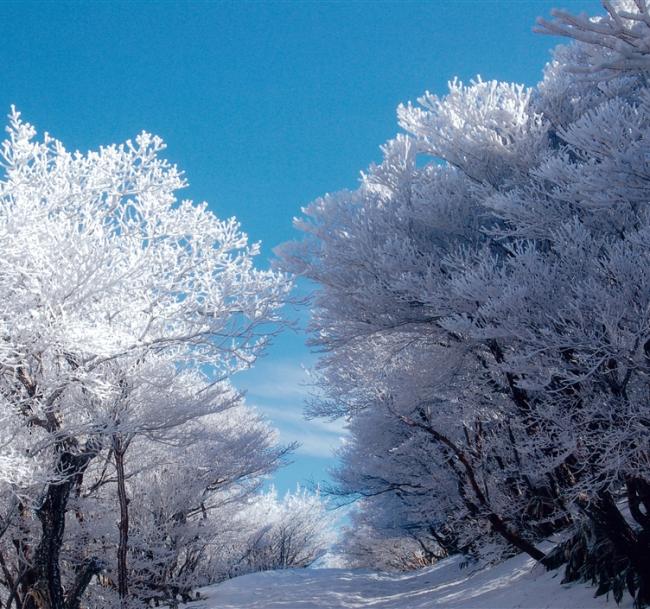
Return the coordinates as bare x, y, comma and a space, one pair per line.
513, 584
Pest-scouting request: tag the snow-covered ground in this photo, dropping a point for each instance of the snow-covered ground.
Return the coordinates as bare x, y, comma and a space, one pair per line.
516, 583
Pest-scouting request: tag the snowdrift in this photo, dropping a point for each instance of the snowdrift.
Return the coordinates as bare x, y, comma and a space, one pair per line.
516, 583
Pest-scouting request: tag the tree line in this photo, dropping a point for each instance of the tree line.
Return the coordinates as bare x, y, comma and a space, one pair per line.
130, 466
483, 309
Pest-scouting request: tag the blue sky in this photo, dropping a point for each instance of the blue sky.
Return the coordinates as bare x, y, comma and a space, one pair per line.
264, 105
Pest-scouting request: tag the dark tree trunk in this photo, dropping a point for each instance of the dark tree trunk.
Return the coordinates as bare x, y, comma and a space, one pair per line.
119, 448
546, 510
90, 568
42, 583
628, 542
638, 493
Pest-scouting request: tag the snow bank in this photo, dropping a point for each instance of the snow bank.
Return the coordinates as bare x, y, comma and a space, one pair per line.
516, 583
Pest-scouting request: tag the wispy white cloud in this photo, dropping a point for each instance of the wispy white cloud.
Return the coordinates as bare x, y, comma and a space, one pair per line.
316, 438
311, 443
279, 389
279, 380
291, 416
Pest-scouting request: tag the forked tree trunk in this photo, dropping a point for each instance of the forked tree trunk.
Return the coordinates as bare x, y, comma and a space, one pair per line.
42, 584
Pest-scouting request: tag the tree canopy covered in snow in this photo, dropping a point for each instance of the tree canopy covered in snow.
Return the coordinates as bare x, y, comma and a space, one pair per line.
484, 312
483, 316
127, 456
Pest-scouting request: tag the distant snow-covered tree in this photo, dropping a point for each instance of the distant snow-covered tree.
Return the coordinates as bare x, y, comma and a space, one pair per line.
293, 532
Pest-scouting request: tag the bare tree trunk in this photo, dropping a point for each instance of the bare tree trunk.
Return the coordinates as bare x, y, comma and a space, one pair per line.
88, 569
119, 448
42, 584
628, 542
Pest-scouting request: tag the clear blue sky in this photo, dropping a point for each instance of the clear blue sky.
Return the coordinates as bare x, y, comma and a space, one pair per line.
265, 105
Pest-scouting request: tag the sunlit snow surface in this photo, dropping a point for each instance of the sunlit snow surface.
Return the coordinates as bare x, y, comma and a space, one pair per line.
517, 583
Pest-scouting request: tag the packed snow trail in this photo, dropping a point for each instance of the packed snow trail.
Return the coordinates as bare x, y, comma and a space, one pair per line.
514, 584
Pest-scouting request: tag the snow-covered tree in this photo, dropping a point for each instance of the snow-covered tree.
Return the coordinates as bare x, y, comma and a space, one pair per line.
124, 313
369, 547
293, 532
483, 309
